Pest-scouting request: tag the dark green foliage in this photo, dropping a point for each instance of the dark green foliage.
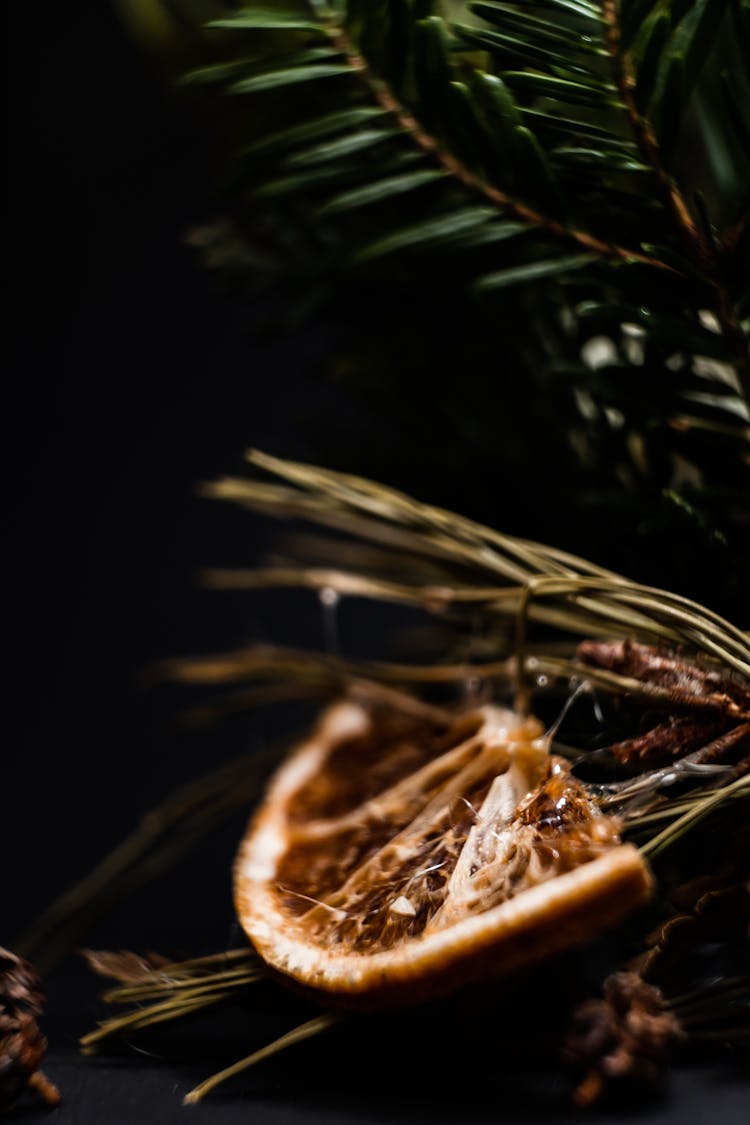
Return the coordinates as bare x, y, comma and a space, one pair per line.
579, 173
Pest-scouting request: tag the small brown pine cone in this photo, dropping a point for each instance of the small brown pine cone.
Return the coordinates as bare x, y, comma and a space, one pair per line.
22, 1044
622, 1039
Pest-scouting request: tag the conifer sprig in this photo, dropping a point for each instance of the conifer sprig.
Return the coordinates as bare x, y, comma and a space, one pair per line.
579, 168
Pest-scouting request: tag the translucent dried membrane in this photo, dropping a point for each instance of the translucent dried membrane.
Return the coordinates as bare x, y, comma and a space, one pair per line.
394, 860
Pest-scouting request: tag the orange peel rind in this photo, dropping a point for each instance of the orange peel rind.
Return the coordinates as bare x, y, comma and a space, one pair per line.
392, 862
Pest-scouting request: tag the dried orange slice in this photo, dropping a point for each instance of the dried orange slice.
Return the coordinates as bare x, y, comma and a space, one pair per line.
394, 858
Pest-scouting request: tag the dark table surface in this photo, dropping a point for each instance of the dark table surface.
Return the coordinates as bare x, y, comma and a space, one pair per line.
353, 1075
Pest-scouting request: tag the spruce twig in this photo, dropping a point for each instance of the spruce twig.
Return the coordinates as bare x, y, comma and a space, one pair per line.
505, 203
647, 143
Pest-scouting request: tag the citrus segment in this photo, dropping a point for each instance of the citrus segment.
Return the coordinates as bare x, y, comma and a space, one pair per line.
394, 859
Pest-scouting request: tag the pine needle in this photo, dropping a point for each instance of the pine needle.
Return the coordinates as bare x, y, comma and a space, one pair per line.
297, 1035
172, 990
271, 661
671, 810
690, 819
170, 1009
545, 585
163, 985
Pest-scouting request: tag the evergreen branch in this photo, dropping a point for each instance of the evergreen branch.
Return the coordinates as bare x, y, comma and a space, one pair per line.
732, 329
693, 240
513, 208
695, 244
425, 149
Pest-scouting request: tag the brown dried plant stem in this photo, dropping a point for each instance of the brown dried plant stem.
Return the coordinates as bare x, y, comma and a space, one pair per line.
693, 240
695, 244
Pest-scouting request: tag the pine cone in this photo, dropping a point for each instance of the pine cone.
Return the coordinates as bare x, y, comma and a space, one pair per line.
22, 1045
622, 1039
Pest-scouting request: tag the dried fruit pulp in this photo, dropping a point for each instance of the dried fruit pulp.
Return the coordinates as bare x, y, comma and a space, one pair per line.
392, 859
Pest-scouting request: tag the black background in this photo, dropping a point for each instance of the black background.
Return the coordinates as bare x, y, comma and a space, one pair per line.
133, 376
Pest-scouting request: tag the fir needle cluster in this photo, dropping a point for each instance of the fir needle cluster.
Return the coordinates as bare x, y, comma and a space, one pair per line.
581, 168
